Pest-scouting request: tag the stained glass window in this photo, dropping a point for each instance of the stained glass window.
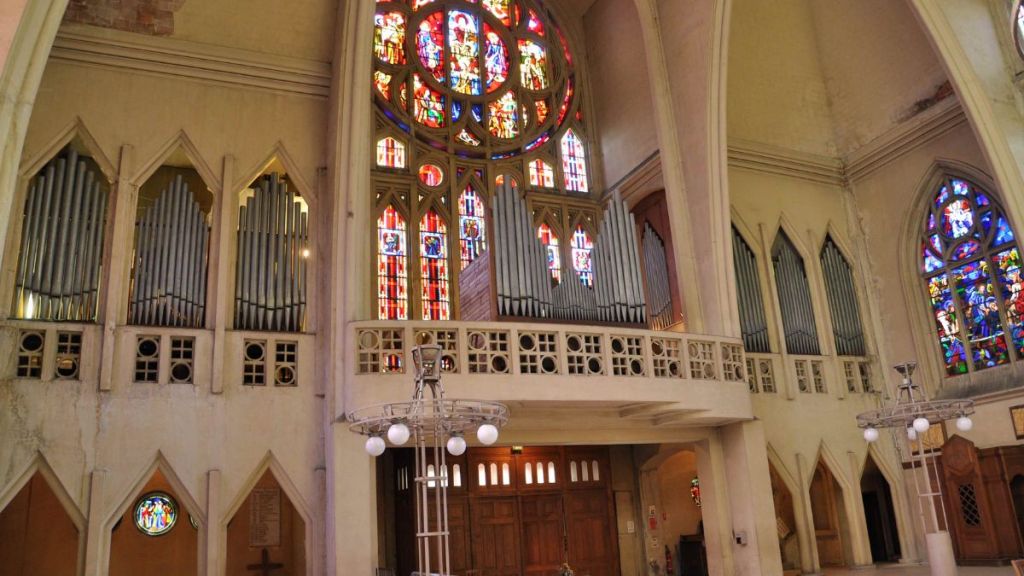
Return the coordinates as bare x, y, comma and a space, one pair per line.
1018, 27
472, 226
582, 262
431, 175
504, 61
972, 270
434, 267
542, 174
390, 153
550, 241
392, 278
155, 514
574, 163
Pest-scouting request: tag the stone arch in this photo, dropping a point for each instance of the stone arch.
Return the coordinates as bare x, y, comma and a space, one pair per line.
794, 542
901, 504
267, 474
24, 493
834, 511
129, 545
280, 160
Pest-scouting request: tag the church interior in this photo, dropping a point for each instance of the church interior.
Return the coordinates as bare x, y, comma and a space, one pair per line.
676, 247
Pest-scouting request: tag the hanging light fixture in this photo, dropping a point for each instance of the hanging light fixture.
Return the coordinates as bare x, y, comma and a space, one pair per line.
914, 414
433, 423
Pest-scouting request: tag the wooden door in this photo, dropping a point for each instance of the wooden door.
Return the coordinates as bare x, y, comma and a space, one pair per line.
589, 527
495, 536
543, 534
826, 517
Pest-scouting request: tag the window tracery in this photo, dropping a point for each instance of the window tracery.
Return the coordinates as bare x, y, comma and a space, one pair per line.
971, 266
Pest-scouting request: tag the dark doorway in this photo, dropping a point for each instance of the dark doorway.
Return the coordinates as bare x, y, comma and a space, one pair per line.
879, 514
1017, 491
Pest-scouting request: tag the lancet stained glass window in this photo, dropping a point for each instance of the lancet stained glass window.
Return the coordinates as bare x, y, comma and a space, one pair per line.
972, 270
574, 163
392, 277
582, 247
434, 297
390, 153
541, 174
472, 226
550, 241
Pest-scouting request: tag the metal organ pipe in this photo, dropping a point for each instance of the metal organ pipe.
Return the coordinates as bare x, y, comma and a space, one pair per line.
659, 296
270, 273
57, 277
169, 274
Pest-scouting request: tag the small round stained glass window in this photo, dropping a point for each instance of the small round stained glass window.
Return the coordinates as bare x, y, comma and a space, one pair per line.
155, 514
431, 175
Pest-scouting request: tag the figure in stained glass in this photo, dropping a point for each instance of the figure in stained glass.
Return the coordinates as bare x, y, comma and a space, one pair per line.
472, 227
500, 10
533, 65
392, 278
582, 262
428, 104
155, 514
464, 47
503, 116
429, 42
550, 241
495, 59
389, 37
434, 298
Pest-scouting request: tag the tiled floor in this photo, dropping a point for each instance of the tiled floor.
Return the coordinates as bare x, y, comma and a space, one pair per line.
897, 570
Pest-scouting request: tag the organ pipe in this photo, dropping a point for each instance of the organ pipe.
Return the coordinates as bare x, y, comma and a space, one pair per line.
273, 249
521, 274
617, 279
753, 323
170, 265
62, 242
842, 301
659, 291
794, 298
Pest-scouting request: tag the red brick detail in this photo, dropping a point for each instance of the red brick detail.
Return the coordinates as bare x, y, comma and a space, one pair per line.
153, 17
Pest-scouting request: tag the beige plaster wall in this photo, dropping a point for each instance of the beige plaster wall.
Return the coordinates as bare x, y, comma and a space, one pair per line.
777, 91
620, 87
876, 62
300, 28
681, 516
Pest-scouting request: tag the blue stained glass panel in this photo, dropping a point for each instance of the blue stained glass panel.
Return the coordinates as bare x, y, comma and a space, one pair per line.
456, 111
980, 199
942, 196
986, 221
1011, 284
946, 325
960, 188
966, 250
1003, 232
931, 222
981, 314
478, 112
931, 263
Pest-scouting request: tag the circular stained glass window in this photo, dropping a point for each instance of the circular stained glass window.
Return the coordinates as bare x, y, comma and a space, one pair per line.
431, 175
488, 78
155, 514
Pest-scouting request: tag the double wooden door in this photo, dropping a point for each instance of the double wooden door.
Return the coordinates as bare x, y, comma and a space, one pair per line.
533, 534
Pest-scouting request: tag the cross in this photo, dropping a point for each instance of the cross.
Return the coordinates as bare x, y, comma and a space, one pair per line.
265, 566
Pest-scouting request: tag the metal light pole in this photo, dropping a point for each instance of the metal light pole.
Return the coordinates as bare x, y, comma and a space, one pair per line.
433, 423
913, 414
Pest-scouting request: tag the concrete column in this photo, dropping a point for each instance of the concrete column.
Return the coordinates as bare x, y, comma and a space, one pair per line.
352, 506
223, 278
116, 267
809, 563
861, 543
752, 507
714, 495
97, 544
215, 541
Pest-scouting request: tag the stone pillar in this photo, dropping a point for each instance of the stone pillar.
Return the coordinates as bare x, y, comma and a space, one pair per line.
97, 544
351, 505
809, 563
755, 542
215, 536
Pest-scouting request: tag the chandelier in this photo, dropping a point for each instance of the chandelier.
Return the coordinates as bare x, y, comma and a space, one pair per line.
430, 422
914, 413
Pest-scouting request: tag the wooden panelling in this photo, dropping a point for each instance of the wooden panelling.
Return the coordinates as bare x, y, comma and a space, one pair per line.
476, 301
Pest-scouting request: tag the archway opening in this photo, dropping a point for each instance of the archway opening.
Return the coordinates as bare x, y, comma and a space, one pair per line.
682, 523
266, 533
830, 522
156, 534
785, 521
879, 513
37, 536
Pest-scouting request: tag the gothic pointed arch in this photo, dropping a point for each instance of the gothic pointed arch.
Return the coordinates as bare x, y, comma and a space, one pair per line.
969, 269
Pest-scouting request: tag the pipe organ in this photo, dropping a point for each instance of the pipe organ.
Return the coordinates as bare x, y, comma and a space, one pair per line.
271, 263
170, 265
524, 286
58, 274
794, 298
659, 290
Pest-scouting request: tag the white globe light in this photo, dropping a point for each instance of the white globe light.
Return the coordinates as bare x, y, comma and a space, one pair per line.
398, 433
921, 425
911, 433
964, 424
375, 446
870, 434
487, 434
457, 445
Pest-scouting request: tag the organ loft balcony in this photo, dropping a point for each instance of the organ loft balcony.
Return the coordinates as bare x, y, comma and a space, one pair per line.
622, 377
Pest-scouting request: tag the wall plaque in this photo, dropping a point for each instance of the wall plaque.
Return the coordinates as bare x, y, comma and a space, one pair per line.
265, 517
